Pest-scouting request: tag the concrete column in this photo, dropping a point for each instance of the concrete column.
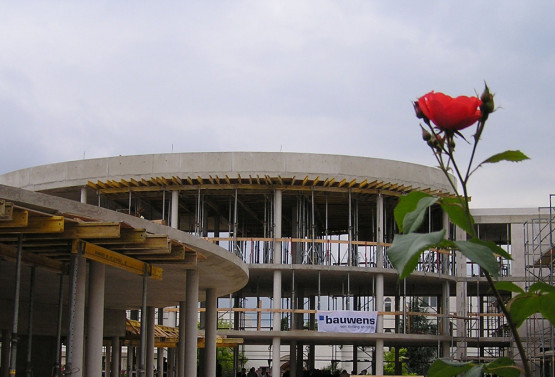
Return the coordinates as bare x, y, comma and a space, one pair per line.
180, 365
95, 319
84, 195
292, 359
107, 362
175, 210
160, 350
355, 359
276, 341
5, 363
116, 356
379, 231
379, 283
379, 328
445, 294
210, 332
379, 357
78, 330
149, 365
191, 318
461, 299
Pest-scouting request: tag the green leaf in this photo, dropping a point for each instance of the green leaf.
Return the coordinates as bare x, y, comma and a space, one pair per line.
479, 253
513, 156
414, 219
523, 306
447, 368
547, 307
496, 249
456, 210
541, 287
406, 249
508, 286
475, 371
411, 209
406, 204
503, 367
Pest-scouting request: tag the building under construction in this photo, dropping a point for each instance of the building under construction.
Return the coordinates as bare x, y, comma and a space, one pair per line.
313, 231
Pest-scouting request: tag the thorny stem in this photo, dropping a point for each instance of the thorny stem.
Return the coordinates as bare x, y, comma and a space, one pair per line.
449, 151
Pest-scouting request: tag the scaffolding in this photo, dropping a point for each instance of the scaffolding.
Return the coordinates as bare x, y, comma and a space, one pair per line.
539, 259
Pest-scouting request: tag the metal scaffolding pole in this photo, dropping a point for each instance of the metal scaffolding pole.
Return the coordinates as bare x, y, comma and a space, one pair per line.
58, 362
29, 369
144, 327
15, 338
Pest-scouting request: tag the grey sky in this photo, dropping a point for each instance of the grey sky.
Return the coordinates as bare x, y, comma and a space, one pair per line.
97, 79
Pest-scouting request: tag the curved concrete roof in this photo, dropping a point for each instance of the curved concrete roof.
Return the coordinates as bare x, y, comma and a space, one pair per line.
217, 268
222, 164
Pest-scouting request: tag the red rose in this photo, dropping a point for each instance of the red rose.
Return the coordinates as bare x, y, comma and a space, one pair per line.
448, 113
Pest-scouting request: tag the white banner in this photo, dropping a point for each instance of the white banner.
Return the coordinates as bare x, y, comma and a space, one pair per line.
347, 321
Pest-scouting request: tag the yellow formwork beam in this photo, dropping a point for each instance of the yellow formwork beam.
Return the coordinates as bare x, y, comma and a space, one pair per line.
17, 219
36, 224
111, 258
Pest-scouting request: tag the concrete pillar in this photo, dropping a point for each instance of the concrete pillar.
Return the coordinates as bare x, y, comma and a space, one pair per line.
276, 341
107, 362
379, 357
150, 315
95, 319
172, 363
379, 231
293, 359
174, 222
116, 357
210, 332
445, 294
191, 318
5, 359
355, 358
84, 195
160, 350
379, 283
180, 365
379, 327
78, 331
461, 298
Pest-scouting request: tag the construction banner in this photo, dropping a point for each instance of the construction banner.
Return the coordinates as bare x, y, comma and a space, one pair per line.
347, 321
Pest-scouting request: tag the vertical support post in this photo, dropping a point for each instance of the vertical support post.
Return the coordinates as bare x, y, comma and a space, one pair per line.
15, 337
84, 195
160, 350
150, 341
58, 362
210, 332
350, 233
276, 341
5, 359
181, 346
29, 370
76, 333
461, 300
445, 296
116, 356
293, 358
175, 210
95, 318
108, 362
379, 328
144, 327
379, 231
191, 318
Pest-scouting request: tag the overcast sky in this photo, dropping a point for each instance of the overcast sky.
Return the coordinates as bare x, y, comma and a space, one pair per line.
84, 79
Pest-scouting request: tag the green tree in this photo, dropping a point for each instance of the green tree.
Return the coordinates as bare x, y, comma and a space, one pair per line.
389, 362
419, 358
